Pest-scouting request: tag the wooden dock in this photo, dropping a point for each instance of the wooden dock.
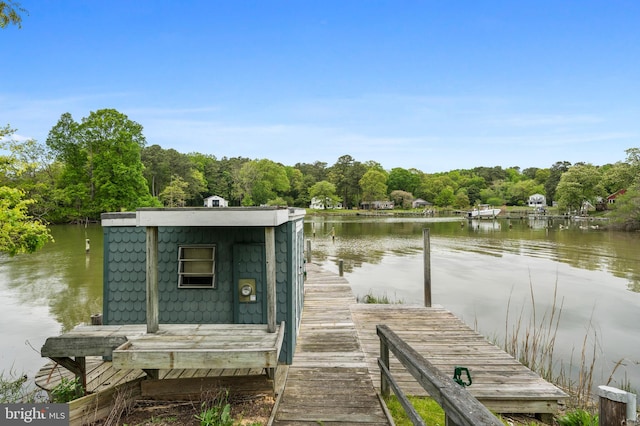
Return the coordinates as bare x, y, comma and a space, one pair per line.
500, 382
326, 383
334, 378
329, 381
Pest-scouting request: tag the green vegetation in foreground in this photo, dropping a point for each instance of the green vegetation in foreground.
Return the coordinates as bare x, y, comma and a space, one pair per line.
578, 418
433, 414
428, 409
380, 300
67, 390
14, 388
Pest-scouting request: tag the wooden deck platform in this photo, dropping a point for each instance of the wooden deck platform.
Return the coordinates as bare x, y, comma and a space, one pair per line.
102, 376
500, 382
174, 351
334, 376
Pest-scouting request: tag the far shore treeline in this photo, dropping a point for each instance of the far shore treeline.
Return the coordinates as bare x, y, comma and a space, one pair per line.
103, 163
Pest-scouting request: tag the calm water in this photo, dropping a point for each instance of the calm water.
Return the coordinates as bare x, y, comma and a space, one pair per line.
476, 271
479, 269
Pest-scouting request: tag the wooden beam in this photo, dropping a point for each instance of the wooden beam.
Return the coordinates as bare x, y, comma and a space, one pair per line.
270, 249
152, 279
427, 266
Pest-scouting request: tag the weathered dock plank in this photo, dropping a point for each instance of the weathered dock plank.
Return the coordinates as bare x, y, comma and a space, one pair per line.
499, 381
329, 381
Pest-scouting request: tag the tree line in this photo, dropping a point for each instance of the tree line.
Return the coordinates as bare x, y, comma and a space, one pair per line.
102, 163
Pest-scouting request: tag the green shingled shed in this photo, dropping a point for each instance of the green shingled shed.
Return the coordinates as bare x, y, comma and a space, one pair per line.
205, 266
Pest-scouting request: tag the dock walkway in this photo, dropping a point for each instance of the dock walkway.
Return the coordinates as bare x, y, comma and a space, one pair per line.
338, 348
329, 381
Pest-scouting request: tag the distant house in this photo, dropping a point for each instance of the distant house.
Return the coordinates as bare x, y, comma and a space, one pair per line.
318, 204
586, 207
537, 201
611, 199
420, 203
377, 205
215, 201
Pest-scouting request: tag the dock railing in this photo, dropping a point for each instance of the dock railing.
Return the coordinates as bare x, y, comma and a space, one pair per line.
460, 407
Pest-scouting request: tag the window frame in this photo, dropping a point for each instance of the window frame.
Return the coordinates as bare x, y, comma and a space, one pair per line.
184, 260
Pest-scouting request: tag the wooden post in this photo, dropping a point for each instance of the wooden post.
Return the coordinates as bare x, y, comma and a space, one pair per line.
308, 251
152, 279
617, 407
341, 267
384, 358
96, 319
427, 267
270, 249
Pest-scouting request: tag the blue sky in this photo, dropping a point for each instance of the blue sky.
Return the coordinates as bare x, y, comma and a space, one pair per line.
432, 85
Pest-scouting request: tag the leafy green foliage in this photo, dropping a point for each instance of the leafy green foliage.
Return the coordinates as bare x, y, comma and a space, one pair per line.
374, 185
12, 388
326, 192
216, 412
10, 13
19, 233
578, 418
102, 164
67, 390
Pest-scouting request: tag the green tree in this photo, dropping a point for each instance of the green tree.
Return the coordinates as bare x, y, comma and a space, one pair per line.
445, 198
345, 174
555, 173
35, 176
582, 181
461, 200
374, 185
517, 194
473, 185
633, 159
626, 214
102, 163
318, 170
19, 232
432, 186
175, 194
617, 176
261, 181
402, 199
326, 192
403, 180
10, 13
298, 194
570, 195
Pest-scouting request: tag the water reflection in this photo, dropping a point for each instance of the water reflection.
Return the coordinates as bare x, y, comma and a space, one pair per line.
481, 267
48, 292
365, 240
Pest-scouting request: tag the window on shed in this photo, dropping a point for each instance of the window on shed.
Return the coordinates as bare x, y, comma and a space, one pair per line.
197, 266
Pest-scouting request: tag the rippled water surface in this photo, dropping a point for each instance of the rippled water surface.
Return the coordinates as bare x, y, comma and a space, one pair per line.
478, 269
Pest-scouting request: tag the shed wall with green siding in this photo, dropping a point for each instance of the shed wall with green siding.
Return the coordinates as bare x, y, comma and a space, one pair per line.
240, 253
